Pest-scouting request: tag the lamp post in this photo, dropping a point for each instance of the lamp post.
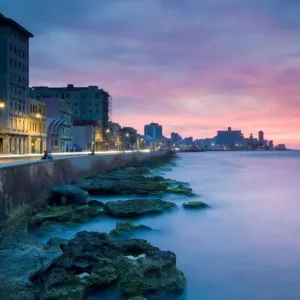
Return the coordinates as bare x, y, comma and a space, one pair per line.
39, 116
107, 134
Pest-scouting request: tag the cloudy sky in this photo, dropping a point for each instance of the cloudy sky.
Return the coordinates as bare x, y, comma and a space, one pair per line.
195, 66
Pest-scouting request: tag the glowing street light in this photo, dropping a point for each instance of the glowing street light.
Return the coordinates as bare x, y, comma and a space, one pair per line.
2, 105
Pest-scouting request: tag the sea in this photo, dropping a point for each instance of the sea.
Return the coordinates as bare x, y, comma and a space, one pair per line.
247, 245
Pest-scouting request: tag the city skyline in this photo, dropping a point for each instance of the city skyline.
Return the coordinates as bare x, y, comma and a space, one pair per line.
172, 63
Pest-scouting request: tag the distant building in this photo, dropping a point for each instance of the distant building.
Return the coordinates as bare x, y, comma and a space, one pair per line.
229, 138
187, 141
175, 137
14, 77
271, 144
261, 137
153, 130
88, 103
59, 124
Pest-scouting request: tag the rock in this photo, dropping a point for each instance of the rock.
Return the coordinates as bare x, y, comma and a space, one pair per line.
127, 229
64, 214
195, 205
96, 203
181, 189
124, 182
93, 261
138, 298
57, 241
70, 194
20, 258
136, 207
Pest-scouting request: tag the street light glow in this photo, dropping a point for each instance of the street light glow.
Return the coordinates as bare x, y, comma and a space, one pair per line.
38, 115
2, 105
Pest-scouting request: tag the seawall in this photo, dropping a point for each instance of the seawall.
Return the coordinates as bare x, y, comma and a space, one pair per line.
28, 185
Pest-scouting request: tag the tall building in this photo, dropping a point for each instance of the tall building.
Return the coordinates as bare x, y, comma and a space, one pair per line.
261, 137
14, 83
154, 130
175, 137
229, 137
88, 103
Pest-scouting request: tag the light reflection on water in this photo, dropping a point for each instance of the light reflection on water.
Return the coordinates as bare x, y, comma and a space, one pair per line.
248, 245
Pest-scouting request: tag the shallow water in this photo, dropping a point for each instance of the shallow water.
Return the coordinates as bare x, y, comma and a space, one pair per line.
247, 246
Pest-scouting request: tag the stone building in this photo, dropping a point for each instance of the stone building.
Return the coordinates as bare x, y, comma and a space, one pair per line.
14, 84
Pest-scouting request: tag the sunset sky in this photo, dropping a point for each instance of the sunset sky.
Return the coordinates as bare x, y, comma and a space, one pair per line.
194, 66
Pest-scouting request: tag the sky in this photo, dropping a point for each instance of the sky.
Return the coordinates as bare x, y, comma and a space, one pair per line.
194, 66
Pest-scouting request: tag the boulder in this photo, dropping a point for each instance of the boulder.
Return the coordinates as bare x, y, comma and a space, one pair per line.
93, 261
136, 207
181, 189
127, 229
195, 205
66, 194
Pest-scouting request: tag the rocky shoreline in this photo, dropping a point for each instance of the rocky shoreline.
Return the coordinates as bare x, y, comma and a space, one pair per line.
72, 269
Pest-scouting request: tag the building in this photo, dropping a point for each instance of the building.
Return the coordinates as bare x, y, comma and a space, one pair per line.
14, 80
113, 136
271, 144
175, 137
37, 126
153, 130
261, 137
229, 138
87, 136
88, 103
59, 124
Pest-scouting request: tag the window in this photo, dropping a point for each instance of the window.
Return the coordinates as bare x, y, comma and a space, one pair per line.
10, 62
15, 49
11, 47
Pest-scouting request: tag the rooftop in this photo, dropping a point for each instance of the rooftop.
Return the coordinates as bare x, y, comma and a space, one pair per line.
9, 22
70, 87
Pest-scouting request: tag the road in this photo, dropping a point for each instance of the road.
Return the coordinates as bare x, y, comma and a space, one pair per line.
13, 160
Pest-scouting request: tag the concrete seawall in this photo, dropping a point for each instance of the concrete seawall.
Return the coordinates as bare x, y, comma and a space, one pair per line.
28, 185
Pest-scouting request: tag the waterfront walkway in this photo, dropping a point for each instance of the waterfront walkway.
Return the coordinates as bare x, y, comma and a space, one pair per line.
19, 159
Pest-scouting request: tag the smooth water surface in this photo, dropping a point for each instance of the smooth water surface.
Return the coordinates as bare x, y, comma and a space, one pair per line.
247, 246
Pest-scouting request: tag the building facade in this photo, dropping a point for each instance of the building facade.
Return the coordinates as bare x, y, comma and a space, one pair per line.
37, 126
153, 130
14, 83
59, 124
88, 103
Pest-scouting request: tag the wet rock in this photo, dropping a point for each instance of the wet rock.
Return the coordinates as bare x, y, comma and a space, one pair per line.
195, 205
123, 182
61, 214
96, 203
57, 241
136, 207
66, 194
93, 260
181, 189
20, 258
127, 229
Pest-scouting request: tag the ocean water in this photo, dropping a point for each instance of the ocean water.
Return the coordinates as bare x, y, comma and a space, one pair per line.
247, 246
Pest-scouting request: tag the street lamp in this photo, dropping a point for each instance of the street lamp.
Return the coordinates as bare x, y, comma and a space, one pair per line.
39, 116
107, 132
2, 105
